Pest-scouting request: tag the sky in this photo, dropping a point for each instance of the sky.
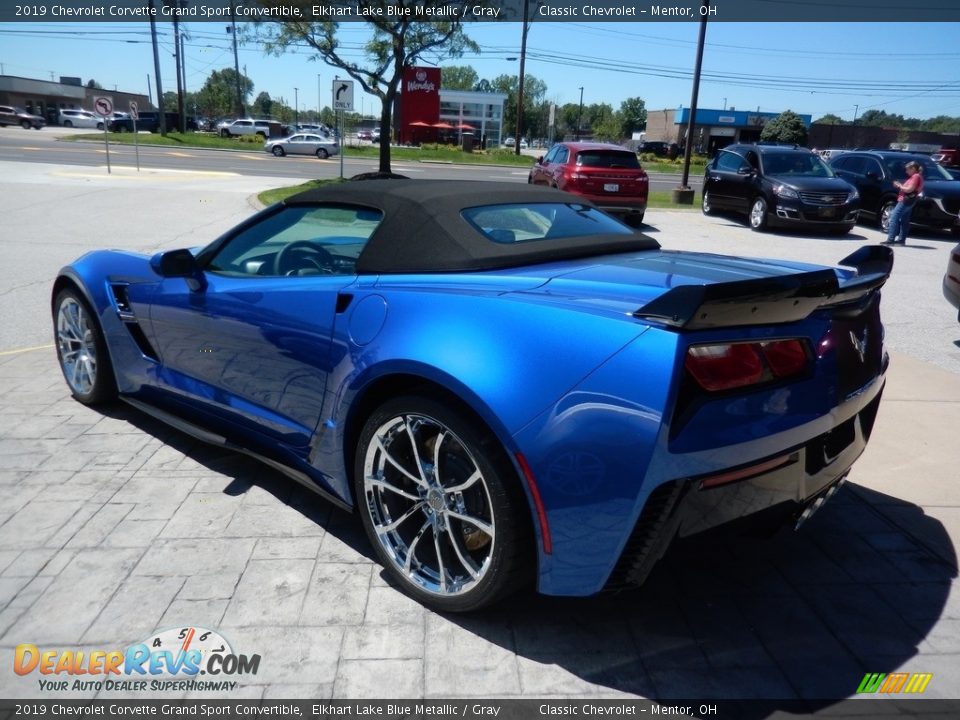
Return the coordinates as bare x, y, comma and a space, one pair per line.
810, 68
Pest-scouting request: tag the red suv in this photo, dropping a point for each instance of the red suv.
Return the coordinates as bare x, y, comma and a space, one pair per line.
610, 176
948, 157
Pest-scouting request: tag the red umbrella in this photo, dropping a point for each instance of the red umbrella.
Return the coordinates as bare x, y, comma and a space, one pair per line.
419, 123
464, 126
443, 126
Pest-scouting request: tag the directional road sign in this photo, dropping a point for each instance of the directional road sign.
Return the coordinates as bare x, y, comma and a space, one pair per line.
343, 95
103, 105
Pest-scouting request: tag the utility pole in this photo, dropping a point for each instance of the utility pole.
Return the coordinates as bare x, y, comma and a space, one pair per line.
523, 58
236, 60
156, 70
176, 59
579, 112
183, 73
296, 109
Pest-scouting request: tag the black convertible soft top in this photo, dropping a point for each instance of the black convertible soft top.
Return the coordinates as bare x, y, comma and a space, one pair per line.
423, 229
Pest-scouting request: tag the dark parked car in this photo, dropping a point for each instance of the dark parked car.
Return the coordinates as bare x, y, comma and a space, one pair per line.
655, 147
951, 280
608, 175
150, 122
509, 386
777, 185
12, 115
873, 172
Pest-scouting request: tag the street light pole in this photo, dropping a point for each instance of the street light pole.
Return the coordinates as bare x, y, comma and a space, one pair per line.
579, 112
856, 111
684, 193
523, 58
319, 101
296, 109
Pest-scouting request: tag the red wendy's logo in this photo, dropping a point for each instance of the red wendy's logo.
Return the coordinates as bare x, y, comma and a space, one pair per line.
421, 75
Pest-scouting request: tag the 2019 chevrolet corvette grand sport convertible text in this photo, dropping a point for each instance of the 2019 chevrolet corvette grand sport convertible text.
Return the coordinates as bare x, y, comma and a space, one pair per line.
510, 386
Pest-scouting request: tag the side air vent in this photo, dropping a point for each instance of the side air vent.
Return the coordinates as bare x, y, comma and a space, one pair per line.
126, 314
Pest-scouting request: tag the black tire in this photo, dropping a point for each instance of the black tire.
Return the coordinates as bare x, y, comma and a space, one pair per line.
322, 154
278, 151
25, 124
955, 231
67, 124
123, 128
224, 133
883, 217
705, 205
89, 377
99, 126
476, 566
634, 220
757, 216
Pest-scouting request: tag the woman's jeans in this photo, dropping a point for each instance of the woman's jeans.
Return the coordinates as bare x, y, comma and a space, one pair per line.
900, 222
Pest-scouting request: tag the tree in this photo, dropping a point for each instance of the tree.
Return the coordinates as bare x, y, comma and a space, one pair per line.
633, 116
397, 43
787, 127
831, 119
217, 97
534, 92
263, 105
94, 85
458, 77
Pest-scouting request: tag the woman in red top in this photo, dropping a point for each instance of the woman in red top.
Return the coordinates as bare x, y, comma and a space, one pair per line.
908, 192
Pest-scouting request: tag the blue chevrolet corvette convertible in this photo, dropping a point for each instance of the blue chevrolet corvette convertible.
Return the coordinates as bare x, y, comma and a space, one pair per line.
509, 385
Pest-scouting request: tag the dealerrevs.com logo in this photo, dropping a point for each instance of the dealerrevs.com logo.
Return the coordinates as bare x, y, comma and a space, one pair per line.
171, 660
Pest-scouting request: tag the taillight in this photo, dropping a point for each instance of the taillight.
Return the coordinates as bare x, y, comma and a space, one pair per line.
725, 366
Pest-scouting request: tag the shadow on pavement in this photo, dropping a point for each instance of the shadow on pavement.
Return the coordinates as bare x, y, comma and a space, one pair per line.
797, 616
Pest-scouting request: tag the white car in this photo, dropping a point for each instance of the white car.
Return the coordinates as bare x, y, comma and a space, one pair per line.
303, 144
80, 119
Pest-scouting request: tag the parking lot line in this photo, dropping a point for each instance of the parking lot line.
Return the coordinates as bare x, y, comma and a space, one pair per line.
25, 350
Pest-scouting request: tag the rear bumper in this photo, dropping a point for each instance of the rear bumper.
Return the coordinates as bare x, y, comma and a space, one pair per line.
766, 494
951, 291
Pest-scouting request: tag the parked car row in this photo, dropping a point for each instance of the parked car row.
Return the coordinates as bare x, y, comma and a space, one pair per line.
774, 185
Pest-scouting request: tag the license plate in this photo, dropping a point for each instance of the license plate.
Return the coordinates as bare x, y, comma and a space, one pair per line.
828, 212
611, 187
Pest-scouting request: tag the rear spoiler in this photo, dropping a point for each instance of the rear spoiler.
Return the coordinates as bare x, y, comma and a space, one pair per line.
769, 301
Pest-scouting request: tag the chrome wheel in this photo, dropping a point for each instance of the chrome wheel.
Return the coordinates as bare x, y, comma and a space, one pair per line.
81, 349
429, 505
76, 346
885, 212
705, 205
758, 214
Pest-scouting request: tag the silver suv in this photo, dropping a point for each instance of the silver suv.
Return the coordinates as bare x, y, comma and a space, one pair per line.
80, 119
245, 127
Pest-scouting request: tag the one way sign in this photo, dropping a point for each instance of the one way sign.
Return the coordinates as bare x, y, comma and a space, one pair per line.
343, 95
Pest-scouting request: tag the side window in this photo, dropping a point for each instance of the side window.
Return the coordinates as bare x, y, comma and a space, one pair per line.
562, 155
551, 155
729, 162
852, 164
298, 242
872, 165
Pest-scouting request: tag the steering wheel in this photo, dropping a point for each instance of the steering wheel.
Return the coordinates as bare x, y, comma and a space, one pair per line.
315, 255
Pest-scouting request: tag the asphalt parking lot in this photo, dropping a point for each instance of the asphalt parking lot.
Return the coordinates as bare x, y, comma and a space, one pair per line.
114, 527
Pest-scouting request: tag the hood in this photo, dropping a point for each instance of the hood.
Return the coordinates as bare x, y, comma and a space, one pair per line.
813, 184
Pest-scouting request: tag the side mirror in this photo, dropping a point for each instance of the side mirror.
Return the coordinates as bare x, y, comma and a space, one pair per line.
179, 263
745, 171
540, 160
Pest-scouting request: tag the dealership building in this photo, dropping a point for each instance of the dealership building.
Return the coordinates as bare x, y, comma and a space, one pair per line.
712, 129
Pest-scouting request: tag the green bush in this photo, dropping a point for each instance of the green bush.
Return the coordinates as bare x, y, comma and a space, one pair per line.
252, 139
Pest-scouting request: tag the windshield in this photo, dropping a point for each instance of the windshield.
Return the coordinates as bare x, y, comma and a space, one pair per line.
931, 171
796, 164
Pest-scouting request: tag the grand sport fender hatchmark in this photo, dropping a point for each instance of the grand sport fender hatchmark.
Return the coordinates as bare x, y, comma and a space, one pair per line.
508, 385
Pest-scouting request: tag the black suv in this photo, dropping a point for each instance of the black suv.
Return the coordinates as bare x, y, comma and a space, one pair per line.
873, 173
778, 185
